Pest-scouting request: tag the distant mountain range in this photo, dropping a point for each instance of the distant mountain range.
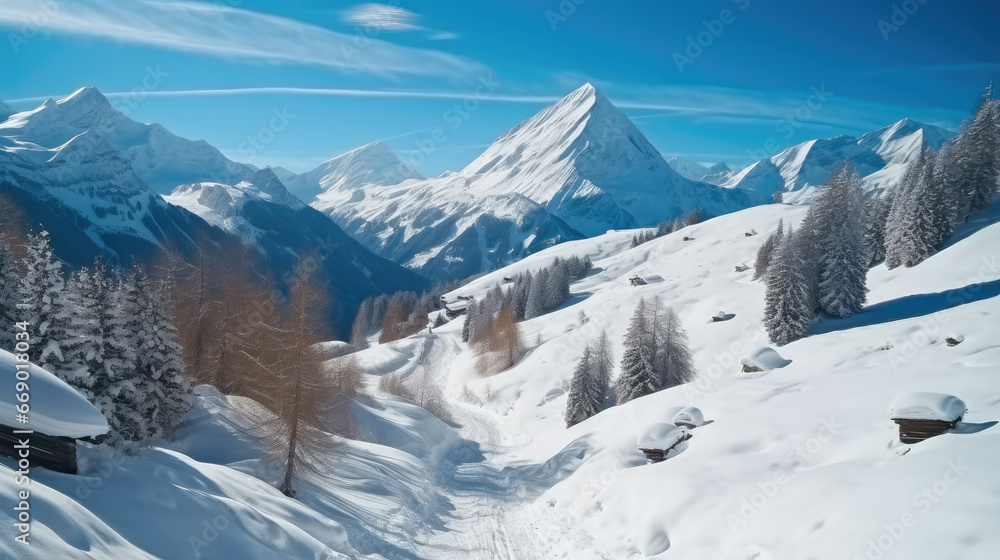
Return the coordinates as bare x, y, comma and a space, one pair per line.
879, 156
76, 167
576, 169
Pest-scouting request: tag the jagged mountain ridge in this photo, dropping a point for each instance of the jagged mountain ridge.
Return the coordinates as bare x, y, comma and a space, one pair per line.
160, 158
879, 156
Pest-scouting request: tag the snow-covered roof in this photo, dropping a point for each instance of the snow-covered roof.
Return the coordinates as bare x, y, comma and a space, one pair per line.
766, 359
661, 436
56, 408
927, 406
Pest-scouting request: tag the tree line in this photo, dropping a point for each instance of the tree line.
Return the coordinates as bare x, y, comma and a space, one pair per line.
107, 333
823, 266
693, 217
135, 342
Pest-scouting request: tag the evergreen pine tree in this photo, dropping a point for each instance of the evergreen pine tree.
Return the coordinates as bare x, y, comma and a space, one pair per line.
673, 356
875, 215
9, 296
788, 308
914, 228
982, 138
160, 362
637, 378
46, 303
842, 281
767, 250
578, 404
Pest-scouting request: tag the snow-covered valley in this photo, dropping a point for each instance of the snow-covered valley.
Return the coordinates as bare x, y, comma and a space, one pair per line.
796, 462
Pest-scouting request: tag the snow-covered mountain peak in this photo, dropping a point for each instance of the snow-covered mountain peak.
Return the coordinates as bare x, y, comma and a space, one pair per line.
84, 108
719, 168
581, 137
266, 184
374, 164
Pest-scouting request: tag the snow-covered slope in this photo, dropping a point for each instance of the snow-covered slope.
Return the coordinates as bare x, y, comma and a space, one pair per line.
373, 165
262, 213
879, 156
798, 462
160, 158
577, 168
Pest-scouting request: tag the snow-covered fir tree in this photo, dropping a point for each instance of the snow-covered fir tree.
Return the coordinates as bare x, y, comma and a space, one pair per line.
46, 303
160, 361
767, 250
637, 378
673, 365
106, 350
913, 228
578, 404
978, 142
876, 213
844, 269
788, 307
590, 382
9, 296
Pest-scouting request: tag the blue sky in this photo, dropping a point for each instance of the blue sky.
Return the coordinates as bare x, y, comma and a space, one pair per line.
343, 74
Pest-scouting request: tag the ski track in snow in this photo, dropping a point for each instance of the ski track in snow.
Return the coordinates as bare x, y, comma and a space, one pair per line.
492, 511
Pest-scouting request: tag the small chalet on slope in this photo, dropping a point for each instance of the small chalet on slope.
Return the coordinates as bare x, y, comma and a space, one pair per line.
57, 417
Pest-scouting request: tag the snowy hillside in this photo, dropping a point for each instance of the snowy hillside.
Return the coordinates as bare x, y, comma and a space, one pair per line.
373, 164
161, 159
803, 449
577, 168
807, 449
879, 156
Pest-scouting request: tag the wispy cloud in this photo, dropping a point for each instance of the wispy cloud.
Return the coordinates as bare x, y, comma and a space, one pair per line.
223, 31
444, 95
391, 18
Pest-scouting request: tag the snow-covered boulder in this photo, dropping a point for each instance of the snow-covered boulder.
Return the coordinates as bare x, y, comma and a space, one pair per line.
927, 406
56, 409
689, 417
764, 359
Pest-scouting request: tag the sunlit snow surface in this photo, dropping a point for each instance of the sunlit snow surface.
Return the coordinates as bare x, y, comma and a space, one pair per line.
797, 462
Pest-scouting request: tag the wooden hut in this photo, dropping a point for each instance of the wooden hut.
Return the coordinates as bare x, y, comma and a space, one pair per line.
922, 415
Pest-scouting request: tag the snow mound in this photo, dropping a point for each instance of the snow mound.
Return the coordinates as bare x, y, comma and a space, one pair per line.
661, 436
656, 542
766, 359
56, 408
919, 405
689, 417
